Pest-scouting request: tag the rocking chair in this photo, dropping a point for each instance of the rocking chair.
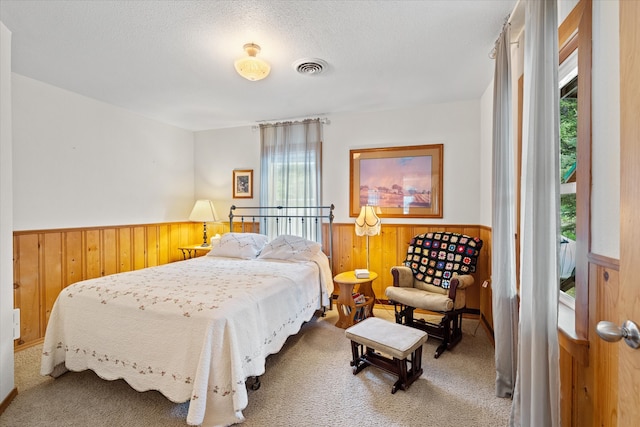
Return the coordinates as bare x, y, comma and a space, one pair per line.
434, 278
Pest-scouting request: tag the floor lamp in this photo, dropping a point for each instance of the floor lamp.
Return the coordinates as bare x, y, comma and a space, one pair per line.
203, 211
367, 224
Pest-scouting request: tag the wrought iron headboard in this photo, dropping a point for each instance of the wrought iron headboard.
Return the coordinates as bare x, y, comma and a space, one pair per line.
303, 221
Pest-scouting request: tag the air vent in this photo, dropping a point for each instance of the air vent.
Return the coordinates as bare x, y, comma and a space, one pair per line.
310, 66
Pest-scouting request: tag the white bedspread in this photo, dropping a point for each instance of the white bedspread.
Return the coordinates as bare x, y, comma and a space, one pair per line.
193, 330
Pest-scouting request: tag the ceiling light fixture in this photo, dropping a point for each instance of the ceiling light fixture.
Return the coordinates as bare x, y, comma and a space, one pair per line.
252, 68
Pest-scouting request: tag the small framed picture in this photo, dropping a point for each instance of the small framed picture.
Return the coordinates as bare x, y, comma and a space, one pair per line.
243, 184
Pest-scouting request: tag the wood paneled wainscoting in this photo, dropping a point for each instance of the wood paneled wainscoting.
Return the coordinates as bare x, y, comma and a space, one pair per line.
46, 261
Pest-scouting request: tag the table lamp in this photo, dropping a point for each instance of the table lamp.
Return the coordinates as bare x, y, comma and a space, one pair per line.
367, 224
203, 211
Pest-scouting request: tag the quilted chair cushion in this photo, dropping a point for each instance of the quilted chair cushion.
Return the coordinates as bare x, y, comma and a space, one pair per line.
435, 257
417, 298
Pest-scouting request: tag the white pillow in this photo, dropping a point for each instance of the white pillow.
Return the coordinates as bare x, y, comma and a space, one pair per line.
239, 245
215, 240
287, 247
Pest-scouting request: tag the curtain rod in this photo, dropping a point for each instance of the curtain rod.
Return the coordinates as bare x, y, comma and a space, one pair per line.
507, 21
492, 54
323, 120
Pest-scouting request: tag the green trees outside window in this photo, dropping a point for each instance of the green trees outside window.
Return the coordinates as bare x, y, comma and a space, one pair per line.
568, 164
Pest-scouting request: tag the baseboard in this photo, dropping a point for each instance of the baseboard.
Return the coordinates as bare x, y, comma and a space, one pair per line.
24, 346
7, 401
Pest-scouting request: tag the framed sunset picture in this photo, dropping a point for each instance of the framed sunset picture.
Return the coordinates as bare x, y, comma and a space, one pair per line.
401, 182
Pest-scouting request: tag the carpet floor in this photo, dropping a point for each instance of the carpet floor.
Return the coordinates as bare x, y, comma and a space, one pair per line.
308, 383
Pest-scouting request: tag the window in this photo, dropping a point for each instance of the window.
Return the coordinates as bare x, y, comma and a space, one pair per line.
291, 165
574, 40
290, 180
568, 79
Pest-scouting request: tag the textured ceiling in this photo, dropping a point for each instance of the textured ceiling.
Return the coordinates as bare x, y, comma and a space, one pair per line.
173, 60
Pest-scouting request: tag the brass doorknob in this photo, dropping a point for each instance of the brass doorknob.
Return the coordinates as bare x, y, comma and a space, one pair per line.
611, 332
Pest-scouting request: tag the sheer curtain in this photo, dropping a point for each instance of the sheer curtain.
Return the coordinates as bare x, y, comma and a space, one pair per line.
537, 393
503, 263
291, 164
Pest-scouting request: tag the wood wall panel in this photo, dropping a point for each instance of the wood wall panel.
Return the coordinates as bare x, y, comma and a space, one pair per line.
343, 249
152, 245
26, 286
589, 391
605, 369
125, 260
139, 248
174, 237
109, 252
92, 256
163, 244
567, 376
167, 243
45, 261
51, 271
486, 296
72, 255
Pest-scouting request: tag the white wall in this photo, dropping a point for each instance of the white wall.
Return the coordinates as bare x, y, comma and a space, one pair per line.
6, 222
486, 156
605, 153
456, 125
79, 162
217, 154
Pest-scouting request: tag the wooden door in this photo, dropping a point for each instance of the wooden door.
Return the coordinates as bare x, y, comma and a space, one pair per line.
629, 287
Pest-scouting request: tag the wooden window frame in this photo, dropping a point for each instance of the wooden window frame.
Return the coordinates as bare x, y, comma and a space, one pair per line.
575, 33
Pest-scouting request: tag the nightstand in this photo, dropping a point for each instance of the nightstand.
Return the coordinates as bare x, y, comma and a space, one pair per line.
350, 312
192, 251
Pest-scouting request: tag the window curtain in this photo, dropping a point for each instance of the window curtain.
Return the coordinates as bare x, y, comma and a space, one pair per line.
503, 263
291, 165
536, 399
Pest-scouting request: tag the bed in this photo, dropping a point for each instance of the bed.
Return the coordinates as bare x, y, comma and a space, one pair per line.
197, 330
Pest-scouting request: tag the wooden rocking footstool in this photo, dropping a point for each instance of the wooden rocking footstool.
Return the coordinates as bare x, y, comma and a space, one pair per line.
401, 345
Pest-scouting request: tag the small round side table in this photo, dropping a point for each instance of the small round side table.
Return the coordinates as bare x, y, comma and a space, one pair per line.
350, 312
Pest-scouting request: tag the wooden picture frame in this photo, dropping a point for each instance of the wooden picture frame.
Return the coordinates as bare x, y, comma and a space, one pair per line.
242, 184
402, 182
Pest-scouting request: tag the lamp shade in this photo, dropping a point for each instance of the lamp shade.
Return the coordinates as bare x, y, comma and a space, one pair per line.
203, 211
250, 67
367, 223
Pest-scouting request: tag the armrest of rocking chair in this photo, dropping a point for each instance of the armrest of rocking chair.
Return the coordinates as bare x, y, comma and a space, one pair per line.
459, 282
402, 276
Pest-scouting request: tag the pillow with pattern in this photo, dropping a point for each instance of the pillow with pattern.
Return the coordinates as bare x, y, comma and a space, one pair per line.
239, 245
287, 247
